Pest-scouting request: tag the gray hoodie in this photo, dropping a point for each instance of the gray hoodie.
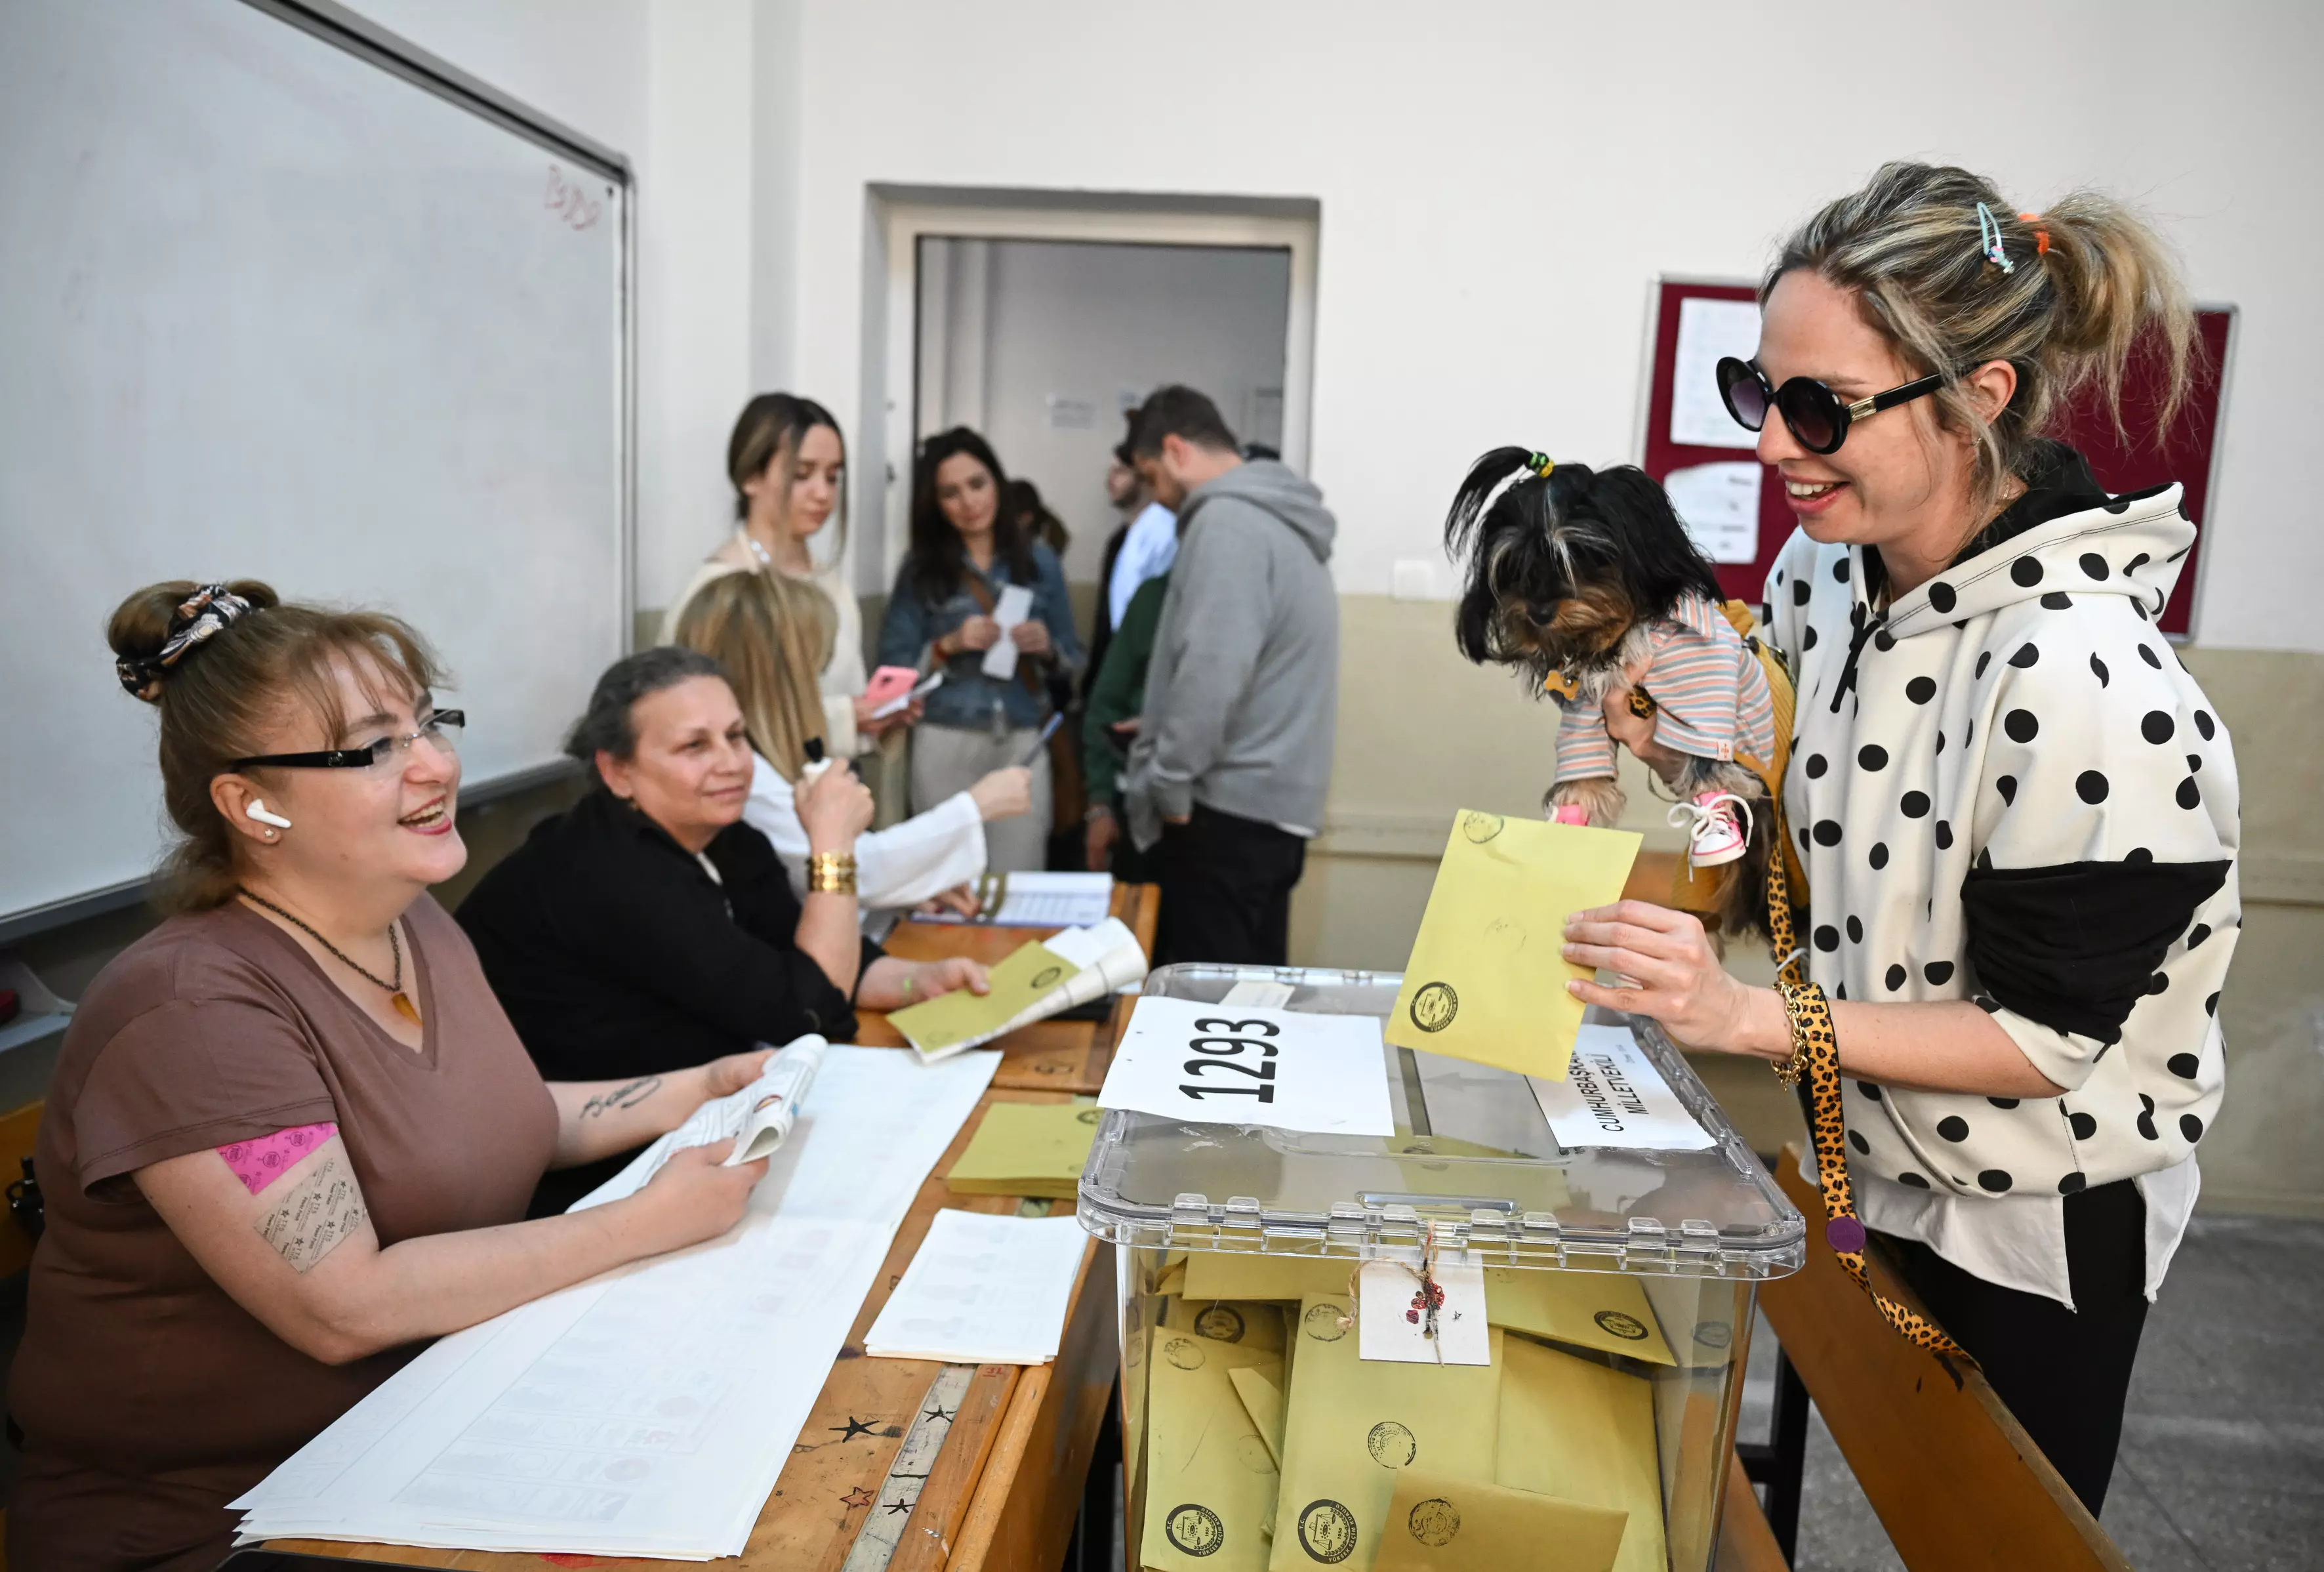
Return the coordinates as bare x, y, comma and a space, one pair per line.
1243, 694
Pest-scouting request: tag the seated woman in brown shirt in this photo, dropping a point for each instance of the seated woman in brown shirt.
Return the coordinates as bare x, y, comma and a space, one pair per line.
649, 927
291, 1135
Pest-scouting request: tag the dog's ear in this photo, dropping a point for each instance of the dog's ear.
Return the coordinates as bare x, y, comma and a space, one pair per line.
1659, 561
1499, 528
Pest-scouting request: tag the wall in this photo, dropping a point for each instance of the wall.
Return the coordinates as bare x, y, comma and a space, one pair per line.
1005, 325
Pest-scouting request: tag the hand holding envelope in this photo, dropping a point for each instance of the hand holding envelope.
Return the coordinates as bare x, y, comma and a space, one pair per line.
1487, 979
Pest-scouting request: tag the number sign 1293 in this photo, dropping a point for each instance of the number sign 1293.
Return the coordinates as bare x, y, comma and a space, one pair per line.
1250, 1064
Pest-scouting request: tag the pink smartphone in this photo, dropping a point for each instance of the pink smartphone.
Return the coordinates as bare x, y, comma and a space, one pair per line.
888, 683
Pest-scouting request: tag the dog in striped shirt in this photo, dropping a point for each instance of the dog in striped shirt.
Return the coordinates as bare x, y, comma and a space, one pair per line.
1586, 581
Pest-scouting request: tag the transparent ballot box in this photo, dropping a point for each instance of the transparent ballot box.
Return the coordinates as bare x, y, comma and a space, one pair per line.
1618, 1284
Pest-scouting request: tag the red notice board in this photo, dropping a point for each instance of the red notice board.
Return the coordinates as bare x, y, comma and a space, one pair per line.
2187, 454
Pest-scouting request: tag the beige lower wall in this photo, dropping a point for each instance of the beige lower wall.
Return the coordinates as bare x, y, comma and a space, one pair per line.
1421, 733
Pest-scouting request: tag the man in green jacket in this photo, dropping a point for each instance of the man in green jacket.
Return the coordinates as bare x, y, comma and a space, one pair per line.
1110, 723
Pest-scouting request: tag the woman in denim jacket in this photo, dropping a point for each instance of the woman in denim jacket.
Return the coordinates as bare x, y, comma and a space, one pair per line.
966, 554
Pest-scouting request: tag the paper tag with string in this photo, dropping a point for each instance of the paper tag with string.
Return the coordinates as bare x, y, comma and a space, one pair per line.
1421, 1314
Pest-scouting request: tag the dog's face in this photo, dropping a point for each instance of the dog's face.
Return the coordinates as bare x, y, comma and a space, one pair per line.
1573, 631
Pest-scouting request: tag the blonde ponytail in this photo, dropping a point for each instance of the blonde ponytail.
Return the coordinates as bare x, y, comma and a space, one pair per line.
773, 634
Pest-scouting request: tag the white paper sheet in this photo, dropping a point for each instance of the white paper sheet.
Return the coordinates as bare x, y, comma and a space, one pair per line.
1016, 604
1244, 1063
1720, 505
1257, 990
648, 1411
1039, 899
1391, 1324
1613, 1095
982, 1290
1707, 330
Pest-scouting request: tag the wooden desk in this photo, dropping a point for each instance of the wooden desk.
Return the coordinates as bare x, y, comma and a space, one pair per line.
1007, 1484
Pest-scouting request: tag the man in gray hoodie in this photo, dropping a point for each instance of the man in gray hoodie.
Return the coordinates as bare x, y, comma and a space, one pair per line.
1234, 747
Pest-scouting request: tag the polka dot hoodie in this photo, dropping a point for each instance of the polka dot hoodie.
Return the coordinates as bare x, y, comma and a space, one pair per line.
2006, 788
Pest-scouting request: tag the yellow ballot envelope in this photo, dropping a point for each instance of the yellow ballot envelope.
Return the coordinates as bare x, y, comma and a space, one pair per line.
1352, 1425
1487, 978
1027, 1149
1581, 1432
1597, 1309
1246, 1323
1262, 1400
1445, 1523
1023, 980
1211, 1478
1217, 1274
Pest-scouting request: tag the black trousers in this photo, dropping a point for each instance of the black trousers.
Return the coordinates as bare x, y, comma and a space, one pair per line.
1226, 890
2064, 1373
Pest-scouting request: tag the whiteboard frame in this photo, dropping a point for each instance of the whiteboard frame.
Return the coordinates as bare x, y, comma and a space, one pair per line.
343, 29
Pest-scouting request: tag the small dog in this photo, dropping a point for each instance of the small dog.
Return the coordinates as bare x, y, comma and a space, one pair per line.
1586, 581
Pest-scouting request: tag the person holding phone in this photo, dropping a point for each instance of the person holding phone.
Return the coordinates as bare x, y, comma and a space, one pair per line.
969, 563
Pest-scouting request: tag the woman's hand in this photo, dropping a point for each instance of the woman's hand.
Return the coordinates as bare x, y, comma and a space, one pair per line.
960, 900
1003, 793
1030, 636
868, 724
691, 1198
977, 633
834, 807
1680, 983
944, 976
723, 1077
889, 984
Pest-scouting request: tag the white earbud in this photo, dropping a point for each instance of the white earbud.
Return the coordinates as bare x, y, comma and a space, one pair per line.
259, 811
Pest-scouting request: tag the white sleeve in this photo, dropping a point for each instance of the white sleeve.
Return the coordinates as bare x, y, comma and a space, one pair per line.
922, 857
839, 738
772, 810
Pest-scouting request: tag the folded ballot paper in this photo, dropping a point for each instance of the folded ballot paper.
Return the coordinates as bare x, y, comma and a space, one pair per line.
1027, 1149
1033, 982
1487, 979
758, 1118
982, 1290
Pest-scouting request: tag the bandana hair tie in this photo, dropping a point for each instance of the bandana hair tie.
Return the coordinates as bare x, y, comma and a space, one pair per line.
201, 616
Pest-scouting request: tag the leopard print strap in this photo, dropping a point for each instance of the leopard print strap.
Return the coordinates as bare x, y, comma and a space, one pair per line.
1811, 1013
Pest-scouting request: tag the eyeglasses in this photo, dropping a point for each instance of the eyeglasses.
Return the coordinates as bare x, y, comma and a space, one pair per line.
1816, 415
442, 729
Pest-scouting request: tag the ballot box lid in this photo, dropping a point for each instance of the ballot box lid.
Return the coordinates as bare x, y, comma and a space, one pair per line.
1474, 1168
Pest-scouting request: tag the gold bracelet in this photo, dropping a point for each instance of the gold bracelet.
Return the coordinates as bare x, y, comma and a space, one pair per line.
831, 874
1800, 1001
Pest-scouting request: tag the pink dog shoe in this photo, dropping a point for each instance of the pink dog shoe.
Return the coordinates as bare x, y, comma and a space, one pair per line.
1714, 833
1571, 813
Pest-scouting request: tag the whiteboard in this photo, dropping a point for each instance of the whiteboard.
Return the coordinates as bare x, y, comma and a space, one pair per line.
269, 310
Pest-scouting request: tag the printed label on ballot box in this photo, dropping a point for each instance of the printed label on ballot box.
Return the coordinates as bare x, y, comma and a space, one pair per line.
1242, 1064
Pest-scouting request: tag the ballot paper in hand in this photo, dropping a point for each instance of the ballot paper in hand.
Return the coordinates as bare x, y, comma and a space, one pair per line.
1487, 977
1612, 1096
1033, 982
1016, 606
1215, 1064
757, 1119
982, 1290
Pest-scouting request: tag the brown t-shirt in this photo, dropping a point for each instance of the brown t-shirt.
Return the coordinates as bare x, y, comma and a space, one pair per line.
215, 1028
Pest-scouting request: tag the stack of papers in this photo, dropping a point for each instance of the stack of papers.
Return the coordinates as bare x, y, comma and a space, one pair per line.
649, 1411
1036, 982
1027, 1149
982, 1291
1037, 901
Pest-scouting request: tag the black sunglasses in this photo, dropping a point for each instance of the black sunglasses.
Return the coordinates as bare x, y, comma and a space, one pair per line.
442, 728
1817, 416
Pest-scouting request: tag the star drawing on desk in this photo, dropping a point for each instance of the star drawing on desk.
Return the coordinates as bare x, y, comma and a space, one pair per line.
941, 1412
852, 1428
857, 1499
901, 1508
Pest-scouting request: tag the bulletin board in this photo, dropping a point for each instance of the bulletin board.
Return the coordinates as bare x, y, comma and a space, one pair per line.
2130, 462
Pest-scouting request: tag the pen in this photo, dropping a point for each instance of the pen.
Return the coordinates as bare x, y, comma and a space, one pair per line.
1048, 730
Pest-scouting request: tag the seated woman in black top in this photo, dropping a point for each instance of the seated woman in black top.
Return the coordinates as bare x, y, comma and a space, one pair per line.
648, 922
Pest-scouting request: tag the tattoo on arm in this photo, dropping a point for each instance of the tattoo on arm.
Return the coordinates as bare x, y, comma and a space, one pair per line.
626, 1096
317, 1213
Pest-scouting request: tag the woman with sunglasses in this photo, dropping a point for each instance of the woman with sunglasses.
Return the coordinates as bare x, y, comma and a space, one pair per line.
2015, 810
291, 1135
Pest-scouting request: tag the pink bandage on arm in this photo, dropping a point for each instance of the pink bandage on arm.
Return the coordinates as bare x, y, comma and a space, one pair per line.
259, 1163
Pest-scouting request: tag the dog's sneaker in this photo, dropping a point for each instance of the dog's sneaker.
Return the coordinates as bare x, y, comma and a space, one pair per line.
1571, 813
1718, 826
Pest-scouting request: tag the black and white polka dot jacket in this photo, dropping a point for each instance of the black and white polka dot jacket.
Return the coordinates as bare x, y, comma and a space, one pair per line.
2006, 788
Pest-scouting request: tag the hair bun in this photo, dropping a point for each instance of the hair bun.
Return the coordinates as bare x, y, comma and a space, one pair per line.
157, 626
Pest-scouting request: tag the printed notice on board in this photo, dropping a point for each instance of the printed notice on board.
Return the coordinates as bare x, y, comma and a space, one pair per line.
1614, 1097
1246, 1064
1709, 330
1719, 504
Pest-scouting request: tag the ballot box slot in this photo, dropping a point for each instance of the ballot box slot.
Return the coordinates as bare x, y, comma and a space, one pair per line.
1415, 1096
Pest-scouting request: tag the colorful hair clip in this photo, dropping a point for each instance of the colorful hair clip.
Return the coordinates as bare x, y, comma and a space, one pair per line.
2041, 236
1989, 235
1540, 464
